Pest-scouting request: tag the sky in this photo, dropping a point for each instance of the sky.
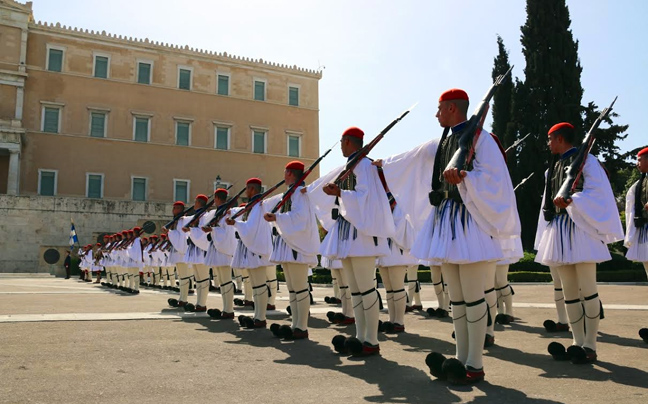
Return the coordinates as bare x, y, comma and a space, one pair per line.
379, 57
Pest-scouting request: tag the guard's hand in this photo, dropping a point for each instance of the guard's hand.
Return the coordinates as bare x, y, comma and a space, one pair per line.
646, 206
230, 221
206, 229
185, 229
561, 202
165, 230
377, 163
454, 176
270, 217
303, 190
331, 189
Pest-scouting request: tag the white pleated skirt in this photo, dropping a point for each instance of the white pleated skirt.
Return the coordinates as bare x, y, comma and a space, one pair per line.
450, 235
512, 250
396, 257
564, 243
344, 241
331, 264
282, 252
215, 258
638, 251
246, 259
194, 255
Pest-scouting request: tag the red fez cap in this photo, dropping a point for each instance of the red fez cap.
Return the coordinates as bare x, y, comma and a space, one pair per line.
144, 239
137, 229
642, 152
98, 244
106, 236
125, 232
354, 132
163, 235
453, 94
202, 197
131, 232
253, 181
178, 203
154, 236
221, 191
295, 165
559, 126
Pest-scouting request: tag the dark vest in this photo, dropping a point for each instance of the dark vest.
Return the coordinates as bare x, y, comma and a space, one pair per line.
448, 149
559, 174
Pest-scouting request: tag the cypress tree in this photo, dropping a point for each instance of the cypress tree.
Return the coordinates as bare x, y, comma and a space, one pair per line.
503, 125
551, 93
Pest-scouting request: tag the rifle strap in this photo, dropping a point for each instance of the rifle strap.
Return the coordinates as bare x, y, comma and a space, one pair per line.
436, 182
638, 206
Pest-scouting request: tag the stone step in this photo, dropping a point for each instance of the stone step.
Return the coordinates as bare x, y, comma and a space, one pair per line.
26, 275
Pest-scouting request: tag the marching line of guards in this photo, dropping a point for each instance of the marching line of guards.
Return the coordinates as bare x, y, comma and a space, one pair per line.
383, 216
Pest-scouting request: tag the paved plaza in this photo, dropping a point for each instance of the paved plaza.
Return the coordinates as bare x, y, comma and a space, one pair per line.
66, 341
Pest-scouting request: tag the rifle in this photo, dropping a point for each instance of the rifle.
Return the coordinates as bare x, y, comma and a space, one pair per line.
220, 212
516, 144
364, 151
176, 218
465, 140
576, 167
204, 209
117, 244
250, 205
293, 187
523, 181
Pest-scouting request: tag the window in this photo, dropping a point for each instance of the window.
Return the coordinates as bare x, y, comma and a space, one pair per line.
221, 140
94, 185
259, 90
141, 129
183, 133
54, 59
144, 70
47, 182
51, 119
101, 66
293, 96
293, 145
223, 84
181, 190
98, 124
138, 189
184, 79
258, 141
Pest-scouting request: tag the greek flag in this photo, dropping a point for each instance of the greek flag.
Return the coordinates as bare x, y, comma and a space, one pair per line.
73, 236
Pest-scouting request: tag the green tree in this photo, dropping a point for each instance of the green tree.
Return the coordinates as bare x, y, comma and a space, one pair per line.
503, 125
551, 93
605, 147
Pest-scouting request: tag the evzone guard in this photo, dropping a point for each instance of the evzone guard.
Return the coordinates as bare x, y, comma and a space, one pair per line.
636, 213
295, 248
197, 246
253, 251
358, 219
176, 256
220, 252
572, 236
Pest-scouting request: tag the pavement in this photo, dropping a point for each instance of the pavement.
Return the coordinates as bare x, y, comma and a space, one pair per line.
66, 341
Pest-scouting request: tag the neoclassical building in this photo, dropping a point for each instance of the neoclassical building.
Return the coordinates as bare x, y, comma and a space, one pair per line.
96, 115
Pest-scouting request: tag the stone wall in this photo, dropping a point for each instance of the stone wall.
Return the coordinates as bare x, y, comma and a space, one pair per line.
28, 223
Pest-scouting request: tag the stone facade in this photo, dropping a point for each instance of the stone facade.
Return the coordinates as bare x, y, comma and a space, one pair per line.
31, 222
275, 104
110, 119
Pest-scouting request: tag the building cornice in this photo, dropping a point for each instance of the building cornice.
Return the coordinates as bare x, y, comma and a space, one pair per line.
186, 50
